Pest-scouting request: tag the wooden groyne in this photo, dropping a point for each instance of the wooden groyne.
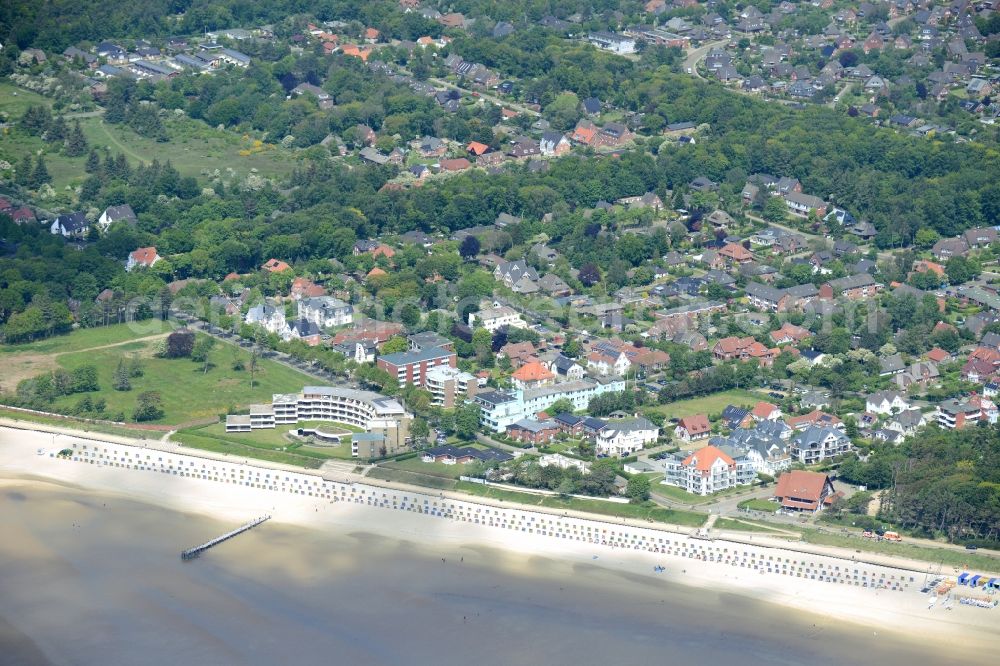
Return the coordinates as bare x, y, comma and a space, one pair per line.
192, 553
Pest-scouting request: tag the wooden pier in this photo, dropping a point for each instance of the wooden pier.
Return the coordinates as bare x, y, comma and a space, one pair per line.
192, 553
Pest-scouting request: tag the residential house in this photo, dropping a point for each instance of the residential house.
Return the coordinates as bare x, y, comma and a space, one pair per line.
816, 418
519, 353
325, 311
736, 417
907, 422
946, 248
270, 318
554, 286
570, 424
768, 298
532, 375
70, 225
708, 470
144, 257
789, 333
886, 403
609, 41
512, 272
744, 349
891, 365
533, 431
765, 411
801, 490
275, 266
554, 144
734, 254
921, 374
608, 362
693, 428
852, 287
622, 438
815, 444
305, 288
306, 331
565, 367
494, 318
802, 205
112, 214
958, 413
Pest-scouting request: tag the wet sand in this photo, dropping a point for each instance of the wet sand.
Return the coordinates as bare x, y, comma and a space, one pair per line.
89, 578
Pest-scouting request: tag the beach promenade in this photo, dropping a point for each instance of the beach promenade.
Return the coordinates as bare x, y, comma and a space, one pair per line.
881, 593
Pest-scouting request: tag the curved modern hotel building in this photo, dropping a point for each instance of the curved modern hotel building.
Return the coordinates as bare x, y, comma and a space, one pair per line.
379, 415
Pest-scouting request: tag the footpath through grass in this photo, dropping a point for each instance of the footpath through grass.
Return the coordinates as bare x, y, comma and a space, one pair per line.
188, 392
946, 557
746, 526
412, 478
87, 338
233, 445
635, 511
77, 424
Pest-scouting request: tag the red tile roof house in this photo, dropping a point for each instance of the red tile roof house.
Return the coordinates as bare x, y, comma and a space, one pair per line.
519, 353
693, 428
815, 418
306, 288
144, 257
275, 266
735, 254
800, 490
459, 164
476, 148
937, 355
536, 432
765, 411
744, 349
532, 375
789, 333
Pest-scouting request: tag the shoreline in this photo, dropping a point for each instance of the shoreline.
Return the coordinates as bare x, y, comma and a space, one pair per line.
903, 613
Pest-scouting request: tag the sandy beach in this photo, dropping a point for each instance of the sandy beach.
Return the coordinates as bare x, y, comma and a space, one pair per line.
891, 617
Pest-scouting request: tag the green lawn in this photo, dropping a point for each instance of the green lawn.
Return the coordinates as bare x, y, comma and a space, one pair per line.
640, 512
86, 338
266, 444
14, 100
418, 466
412, 478
675, 493
709, 404
78, 425
744, 526
946, 557
760, 505
194, 148
216, 444
188, 393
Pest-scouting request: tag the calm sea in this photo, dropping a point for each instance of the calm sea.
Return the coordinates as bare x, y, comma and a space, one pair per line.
86, 579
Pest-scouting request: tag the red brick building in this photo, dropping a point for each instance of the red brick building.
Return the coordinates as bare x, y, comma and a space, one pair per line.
411, 367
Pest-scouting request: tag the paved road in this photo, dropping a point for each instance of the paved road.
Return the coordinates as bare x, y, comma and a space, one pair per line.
840, 94
489, 441
694, 56
84, 114
280, 357
487, 96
